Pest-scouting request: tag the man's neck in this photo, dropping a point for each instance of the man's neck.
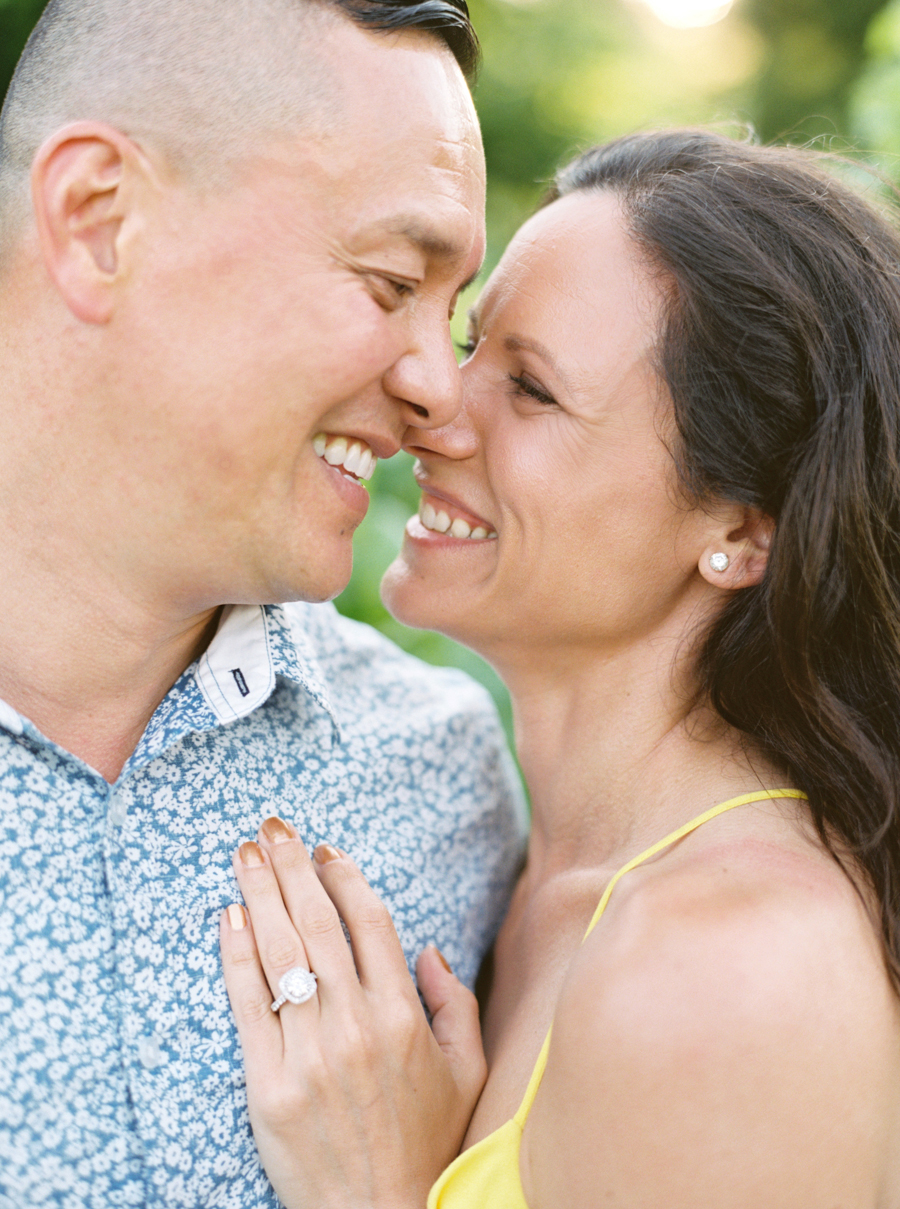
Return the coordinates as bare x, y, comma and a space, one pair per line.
87, 667
95, 627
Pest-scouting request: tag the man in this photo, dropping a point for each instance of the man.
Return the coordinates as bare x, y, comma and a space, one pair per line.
232, 234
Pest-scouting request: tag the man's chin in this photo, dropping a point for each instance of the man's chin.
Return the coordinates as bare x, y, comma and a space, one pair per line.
306, 585
310, 595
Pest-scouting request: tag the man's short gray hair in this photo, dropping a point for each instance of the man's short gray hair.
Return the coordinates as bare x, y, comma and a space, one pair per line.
199, 79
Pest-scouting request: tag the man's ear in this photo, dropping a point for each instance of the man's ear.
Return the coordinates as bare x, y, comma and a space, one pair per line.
737, 556
83, 187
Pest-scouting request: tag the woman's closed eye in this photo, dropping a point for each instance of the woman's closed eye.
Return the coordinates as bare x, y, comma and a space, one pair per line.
522, 384
525, 386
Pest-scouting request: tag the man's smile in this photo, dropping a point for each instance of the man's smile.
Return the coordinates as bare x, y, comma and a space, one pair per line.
351, 455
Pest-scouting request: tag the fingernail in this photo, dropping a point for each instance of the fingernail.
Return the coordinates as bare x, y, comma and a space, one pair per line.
276, 830
251, 854
327, 852
237, 918
442, 959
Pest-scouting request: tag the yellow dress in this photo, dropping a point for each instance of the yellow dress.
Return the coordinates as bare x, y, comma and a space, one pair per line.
487, 1174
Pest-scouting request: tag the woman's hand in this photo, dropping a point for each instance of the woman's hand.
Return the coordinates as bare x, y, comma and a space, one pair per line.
355, 1102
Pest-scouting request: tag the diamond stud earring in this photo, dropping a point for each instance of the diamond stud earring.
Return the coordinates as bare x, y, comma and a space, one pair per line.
719, 561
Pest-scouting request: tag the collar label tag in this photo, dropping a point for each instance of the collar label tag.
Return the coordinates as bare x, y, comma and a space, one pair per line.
240, 681
236, 673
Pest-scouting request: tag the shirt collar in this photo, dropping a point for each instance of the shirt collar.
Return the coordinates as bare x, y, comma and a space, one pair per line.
252, 646
237, 672
11, 720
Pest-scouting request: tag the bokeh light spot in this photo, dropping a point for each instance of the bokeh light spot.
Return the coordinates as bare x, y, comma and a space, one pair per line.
689, 14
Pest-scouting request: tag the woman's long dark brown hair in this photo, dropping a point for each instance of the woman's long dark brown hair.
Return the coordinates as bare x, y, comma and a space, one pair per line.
780, 347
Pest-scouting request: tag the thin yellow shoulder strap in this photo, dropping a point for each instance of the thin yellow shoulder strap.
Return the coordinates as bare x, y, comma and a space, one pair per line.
759, 795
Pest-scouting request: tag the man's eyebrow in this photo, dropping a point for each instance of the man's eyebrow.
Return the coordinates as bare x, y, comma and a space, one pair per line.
430, 241
423, 236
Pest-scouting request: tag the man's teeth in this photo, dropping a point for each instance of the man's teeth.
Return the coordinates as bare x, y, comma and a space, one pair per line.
440, 522
354, 457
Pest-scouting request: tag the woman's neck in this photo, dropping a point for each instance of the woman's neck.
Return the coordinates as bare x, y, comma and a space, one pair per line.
615, 754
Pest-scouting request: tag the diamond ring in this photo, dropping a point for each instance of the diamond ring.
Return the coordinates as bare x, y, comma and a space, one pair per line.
295, 986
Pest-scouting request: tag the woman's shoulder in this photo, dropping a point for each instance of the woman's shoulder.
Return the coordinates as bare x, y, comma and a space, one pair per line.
756, 929
728, 1025
742, 892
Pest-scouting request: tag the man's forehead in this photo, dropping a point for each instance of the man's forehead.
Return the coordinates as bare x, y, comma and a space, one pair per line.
406, 108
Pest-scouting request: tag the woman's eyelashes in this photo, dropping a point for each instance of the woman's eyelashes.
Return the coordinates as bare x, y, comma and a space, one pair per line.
524, 386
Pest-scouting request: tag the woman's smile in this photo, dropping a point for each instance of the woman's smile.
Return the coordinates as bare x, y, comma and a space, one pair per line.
439, 513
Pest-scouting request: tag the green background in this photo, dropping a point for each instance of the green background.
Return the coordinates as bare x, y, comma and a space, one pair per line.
561, 74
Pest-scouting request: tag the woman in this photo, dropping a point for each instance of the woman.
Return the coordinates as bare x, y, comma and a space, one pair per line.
678, 465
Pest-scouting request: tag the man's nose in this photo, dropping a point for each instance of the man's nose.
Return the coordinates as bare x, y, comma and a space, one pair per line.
426, 380
456, 441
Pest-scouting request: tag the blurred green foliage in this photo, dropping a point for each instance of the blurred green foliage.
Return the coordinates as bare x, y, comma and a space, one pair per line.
16, 20
875, 94
562, 74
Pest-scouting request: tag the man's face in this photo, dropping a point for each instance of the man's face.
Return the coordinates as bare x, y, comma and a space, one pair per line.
307, 305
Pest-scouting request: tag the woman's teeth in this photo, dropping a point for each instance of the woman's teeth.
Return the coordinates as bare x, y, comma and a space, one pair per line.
354, 458
440, 522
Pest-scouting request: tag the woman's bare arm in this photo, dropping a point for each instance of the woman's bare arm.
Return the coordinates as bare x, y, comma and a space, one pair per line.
729, 1048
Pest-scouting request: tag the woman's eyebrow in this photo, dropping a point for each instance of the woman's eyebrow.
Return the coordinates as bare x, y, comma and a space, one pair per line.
514, 344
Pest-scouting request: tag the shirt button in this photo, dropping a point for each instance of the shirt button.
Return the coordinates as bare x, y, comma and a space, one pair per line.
149, 1052
117, 813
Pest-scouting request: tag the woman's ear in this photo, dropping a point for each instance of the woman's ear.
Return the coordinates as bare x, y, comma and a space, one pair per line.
738, 556
82, 185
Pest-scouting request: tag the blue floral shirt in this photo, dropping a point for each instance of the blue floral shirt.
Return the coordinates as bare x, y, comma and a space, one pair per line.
120, 1073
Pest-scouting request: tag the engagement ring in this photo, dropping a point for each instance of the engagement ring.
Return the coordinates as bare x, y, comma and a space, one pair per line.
295, 986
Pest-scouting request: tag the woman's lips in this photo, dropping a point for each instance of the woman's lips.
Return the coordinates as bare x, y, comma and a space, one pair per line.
445, 516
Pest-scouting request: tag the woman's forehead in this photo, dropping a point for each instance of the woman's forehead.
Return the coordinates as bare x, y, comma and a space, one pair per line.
574, 273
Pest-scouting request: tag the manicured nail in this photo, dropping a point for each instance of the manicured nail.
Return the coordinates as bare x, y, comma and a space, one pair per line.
251, 854
276, 830
327, 852
442, 959
237, 918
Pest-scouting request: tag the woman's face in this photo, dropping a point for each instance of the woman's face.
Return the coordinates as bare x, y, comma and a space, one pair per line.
557, 456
